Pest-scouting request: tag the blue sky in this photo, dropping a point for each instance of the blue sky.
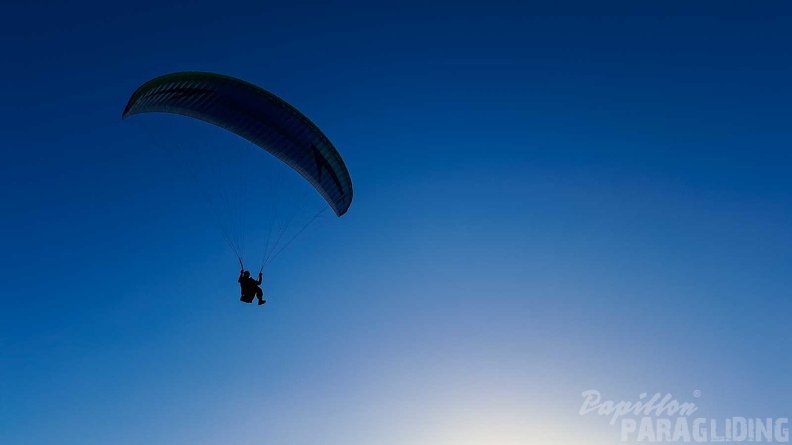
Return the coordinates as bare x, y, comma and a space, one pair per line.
547, 200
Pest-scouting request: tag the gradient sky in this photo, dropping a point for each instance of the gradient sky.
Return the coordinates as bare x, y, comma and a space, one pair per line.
548, 200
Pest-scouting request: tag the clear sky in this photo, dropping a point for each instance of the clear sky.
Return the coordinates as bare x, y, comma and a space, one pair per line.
548, 200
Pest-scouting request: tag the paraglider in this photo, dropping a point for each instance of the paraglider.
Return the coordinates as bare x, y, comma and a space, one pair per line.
264, 120
250, 288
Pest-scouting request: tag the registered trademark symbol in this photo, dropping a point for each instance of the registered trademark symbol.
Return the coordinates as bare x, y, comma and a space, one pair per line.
697, 393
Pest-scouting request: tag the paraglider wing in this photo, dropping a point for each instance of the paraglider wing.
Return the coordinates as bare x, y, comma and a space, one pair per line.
256, 115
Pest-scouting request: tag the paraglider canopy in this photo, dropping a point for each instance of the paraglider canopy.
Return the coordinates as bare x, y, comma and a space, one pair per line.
256, 115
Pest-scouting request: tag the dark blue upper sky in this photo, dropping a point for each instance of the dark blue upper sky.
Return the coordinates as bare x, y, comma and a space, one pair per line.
548, 199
